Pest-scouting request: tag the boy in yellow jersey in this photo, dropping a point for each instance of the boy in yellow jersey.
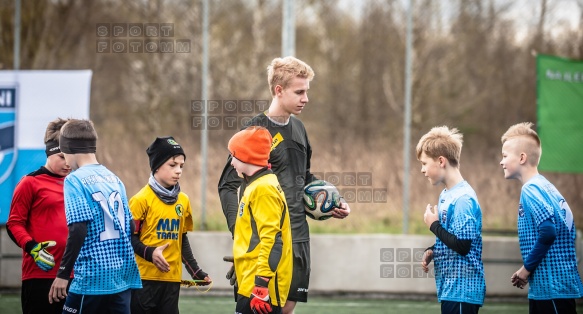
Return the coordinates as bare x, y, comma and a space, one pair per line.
163, 216
262, 246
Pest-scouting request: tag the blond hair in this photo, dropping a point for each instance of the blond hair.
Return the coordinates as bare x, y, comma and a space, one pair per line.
282, 70
441, 141
529, 141
53, 130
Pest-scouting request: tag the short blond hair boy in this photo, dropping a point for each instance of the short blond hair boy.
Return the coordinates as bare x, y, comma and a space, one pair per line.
456, 222
282, 70
527, 139
546, 229
442, 141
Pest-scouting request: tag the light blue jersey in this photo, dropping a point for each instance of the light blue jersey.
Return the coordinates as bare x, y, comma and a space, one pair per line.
106, 263
556, 277
460, 278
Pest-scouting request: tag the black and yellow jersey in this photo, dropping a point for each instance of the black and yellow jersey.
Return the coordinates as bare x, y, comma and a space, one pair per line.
161, 224
262, 237
290, 161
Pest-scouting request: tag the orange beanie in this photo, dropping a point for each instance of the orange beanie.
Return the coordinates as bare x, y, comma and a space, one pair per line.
251, 145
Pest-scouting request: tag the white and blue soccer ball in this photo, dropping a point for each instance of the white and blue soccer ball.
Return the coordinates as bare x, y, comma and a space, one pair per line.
320, 199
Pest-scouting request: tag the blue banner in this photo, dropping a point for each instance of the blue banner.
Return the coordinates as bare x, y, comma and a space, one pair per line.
29, 100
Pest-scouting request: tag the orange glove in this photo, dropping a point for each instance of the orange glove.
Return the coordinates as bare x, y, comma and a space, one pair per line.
260, 296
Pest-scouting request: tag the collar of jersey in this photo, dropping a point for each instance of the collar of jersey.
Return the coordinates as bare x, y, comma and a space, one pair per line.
260, 173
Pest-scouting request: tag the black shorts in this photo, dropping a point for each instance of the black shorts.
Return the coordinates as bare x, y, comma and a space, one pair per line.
453, 307
116, 303
300, 283
244, 306
562, 306
35, 297
156, 297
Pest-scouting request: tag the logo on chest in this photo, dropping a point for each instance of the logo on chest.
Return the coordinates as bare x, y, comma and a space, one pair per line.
241, 207
520, 210
443, 213
179, 209
276, 140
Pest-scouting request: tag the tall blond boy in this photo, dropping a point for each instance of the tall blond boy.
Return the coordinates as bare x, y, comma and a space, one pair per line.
289, 81
457, 223
546, 230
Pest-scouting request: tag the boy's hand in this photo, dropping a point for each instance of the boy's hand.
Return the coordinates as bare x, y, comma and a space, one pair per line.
201, 275
520, 278
207, 280
341, 212
426, 260
431, 215
58, 290
159, 260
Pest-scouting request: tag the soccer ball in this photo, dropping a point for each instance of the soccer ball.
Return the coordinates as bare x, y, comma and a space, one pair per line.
320, 199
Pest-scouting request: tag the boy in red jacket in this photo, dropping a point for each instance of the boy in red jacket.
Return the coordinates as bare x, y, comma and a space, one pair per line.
38, 225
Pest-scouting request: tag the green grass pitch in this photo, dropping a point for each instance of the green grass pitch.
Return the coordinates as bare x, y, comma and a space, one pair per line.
201, 303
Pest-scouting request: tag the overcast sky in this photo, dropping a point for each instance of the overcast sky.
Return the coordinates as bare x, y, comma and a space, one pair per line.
561, 14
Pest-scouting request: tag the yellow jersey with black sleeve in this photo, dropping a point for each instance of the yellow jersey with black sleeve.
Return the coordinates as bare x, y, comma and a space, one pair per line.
161, 224
262, 243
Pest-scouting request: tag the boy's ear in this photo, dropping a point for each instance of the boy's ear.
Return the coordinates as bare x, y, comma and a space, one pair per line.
278, 89
442, 161
523, 158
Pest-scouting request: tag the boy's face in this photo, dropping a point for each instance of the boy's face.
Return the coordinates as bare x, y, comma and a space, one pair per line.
238, 165
294, 98
71, 161
511, 159
169, 173
432, 168
58, 165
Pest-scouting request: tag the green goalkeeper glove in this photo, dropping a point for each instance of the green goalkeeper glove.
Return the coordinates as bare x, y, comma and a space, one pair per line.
43, 259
